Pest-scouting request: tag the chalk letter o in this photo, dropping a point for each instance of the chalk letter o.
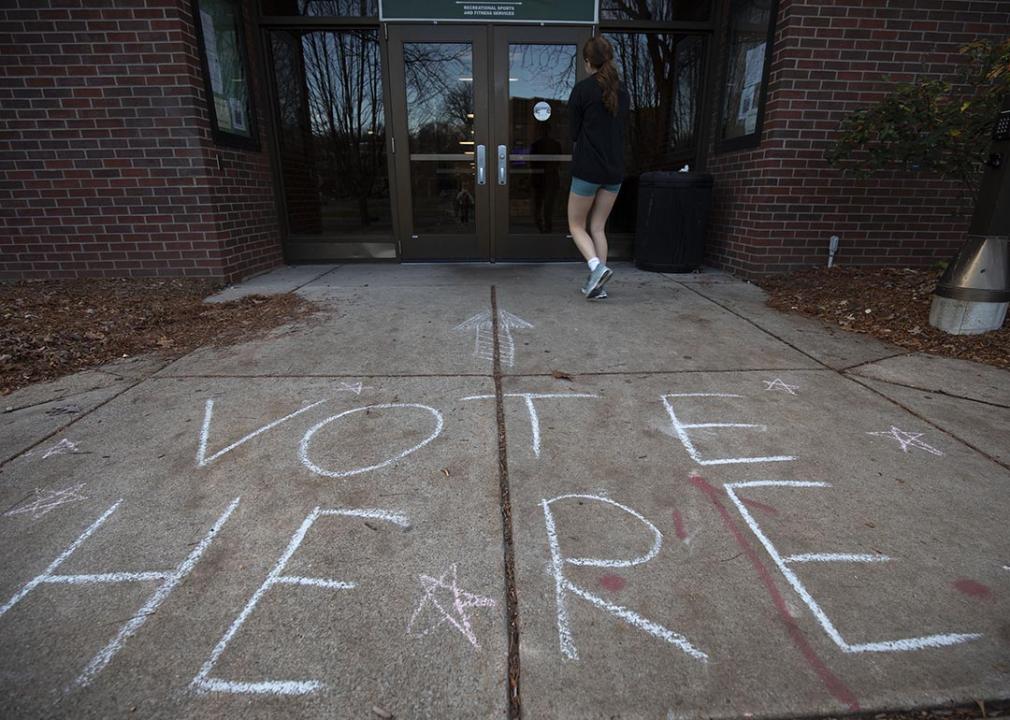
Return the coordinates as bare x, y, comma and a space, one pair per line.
303, 450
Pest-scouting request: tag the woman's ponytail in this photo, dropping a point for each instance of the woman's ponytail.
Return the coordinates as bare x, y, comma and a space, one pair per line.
600, 55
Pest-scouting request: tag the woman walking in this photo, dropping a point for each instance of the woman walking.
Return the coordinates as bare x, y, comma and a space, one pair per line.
597, 107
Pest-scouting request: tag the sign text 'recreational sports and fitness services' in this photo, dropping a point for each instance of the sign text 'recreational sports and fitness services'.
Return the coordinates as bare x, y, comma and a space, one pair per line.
552, 11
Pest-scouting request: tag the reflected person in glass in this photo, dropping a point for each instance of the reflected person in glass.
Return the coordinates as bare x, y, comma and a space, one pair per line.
598, 110
545, 177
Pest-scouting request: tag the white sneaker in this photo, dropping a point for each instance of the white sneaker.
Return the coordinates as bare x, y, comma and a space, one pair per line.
597, 279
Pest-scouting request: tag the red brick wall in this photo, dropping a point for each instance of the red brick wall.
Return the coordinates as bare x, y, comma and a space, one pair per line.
777, 205
108, 165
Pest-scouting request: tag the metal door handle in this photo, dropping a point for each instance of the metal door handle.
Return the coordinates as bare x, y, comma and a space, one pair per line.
503, 158
481, 165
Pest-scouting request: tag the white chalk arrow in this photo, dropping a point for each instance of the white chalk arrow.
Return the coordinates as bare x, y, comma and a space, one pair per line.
483, 330
476, 321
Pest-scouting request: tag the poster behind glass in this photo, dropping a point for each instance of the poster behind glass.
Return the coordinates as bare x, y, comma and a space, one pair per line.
747, 50
221, 24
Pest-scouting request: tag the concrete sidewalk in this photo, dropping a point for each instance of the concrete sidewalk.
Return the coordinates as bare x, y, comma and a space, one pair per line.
714, 510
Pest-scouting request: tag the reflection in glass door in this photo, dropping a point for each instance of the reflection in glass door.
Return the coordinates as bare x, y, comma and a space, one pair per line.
482, 168
331, 143
663, 73
535, 70
439, 91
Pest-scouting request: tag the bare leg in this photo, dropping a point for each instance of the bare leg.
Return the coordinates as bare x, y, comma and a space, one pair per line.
578, 211
602, 205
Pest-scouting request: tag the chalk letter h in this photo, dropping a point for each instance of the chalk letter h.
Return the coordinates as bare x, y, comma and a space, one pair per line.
169, 580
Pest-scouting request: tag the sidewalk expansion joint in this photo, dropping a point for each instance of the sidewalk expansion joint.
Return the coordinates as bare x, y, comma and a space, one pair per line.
746, 319
622, 373
76, 419
59, 399
315, 279
850, 368
931, 391
313, 376
511, 597
988, 456
855, 379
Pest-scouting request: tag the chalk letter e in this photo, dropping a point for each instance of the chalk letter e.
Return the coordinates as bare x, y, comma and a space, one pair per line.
203, 682
681, 429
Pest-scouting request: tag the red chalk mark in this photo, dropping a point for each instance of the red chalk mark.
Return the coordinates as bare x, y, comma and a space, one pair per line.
613, 582
678, 525
835, 686
972, 588
755, 505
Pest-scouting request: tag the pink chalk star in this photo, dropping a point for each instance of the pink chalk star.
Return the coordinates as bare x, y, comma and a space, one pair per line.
457, 614
48, 500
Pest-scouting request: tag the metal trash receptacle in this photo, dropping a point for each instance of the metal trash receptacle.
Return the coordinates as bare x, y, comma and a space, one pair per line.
673, 210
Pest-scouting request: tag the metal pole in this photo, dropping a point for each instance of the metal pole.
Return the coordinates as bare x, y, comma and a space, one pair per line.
974, 293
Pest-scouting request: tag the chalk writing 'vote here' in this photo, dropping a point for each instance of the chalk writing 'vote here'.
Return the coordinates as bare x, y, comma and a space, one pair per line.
430, 422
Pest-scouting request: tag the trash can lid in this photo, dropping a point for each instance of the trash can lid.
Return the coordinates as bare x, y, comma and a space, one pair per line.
667, 178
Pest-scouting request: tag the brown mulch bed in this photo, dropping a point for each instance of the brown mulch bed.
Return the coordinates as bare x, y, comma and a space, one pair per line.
52, 328
889, 303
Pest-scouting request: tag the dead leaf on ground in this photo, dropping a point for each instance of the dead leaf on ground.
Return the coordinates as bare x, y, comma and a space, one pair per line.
559, 375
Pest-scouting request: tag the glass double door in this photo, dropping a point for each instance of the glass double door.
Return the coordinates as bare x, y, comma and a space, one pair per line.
481, 140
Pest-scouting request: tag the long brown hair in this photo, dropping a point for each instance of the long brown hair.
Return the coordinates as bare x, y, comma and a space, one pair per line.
600, 55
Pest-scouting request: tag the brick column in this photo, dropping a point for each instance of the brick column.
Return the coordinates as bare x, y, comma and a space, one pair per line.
777, 205
109, 168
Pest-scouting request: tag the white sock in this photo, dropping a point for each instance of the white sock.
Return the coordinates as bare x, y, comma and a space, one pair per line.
593, 263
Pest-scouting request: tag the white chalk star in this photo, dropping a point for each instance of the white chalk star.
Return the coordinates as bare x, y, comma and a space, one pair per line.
461, 601
778, 384
907, 440
63, 446
355, 388
47, 500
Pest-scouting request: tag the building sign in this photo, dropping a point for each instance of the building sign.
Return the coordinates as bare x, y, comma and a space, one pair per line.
540, 11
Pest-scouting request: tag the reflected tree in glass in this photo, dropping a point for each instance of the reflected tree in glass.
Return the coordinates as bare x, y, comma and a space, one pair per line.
331, 131
439, 85
541, 71
662, 73
300, 178
321, 8
439, 91
344, 80
655, 10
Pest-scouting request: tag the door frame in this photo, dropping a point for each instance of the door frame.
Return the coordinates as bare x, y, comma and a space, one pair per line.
507, 246
711, 29
446, 247
492, 240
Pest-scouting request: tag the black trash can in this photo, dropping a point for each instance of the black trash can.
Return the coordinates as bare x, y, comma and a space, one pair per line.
673, 210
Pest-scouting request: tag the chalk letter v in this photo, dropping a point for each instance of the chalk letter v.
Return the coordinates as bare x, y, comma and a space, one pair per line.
201, 452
